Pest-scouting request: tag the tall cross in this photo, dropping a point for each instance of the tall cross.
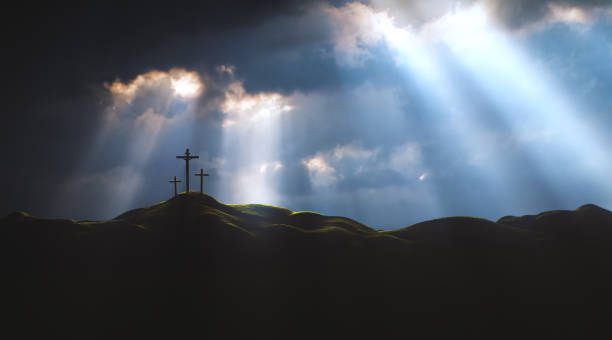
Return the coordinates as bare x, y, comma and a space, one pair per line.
175, 181
187, 157
202, 174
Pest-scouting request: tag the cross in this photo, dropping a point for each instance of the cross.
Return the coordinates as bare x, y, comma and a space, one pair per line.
175, 181
187, 157
202, 174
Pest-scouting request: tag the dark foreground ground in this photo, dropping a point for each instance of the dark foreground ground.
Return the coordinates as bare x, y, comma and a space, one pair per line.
193, 266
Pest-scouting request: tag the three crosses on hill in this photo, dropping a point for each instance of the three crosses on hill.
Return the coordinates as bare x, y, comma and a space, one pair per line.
187, 157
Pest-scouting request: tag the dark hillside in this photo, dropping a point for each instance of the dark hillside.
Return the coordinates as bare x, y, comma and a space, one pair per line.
193, 264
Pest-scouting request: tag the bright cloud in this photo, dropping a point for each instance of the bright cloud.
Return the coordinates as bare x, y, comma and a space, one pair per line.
186, 84
324, 167
154, 91
317, 163
182, 83
127, 91
270, 167
321, 174
240, 106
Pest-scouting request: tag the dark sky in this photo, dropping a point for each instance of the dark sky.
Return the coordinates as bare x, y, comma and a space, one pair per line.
389, 112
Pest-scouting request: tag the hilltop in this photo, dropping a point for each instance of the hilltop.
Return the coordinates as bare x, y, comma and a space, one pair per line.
194, 264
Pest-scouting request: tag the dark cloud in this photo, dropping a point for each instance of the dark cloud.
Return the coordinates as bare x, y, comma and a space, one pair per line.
517, 14
415, 13
512, 14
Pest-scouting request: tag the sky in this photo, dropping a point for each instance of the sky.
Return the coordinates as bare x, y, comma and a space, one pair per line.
387, 112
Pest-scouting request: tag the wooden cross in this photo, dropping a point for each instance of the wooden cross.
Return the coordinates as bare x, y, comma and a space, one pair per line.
175, 181
202, 174
187, 157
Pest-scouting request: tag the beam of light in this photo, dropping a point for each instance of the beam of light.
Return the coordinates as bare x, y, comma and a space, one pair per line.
542, 116
251, 135
415, 55
454, 120
360, 29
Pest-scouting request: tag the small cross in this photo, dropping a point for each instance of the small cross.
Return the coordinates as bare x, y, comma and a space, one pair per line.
201, 175
187, 157
175, 181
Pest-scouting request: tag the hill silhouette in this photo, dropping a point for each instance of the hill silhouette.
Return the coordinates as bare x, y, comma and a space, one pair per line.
193, 264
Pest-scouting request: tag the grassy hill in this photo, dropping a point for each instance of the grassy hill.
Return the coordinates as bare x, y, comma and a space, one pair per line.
193, 264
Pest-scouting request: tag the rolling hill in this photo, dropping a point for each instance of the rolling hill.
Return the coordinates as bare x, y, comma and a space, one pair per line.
192, 264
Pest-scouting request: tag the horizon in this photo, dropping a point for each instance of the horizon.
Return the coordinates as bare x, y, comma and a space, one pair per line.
374, 227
